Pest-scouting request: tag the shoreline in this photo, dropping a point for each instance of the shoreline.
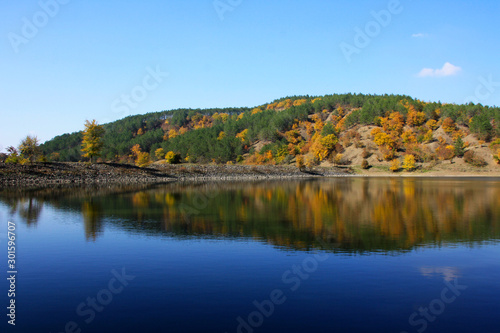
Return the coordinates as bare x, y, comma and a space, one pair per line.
76, 173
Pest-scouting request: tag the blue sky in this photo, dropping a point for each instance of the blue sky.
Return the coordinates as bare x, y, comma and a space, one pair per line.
65, 61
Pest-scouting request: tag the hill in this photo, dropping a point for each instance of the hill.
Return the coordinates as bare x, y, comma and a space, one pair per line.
340, 129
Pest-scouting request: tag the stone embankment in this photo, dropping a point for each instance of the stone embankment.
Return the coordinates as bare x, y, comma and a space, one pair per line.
83, 173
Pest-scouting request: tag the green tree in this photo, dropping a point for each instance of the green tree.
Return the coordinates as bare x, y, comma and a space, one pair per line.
92, 139
30, 148
459, 148
481, 126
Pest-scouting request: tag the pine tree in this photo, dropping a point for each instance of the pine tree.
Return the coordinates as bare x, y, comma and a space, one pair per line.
459, 147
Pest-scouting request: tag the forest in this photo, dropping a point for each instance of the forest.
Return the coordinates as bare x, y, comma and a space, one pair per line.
301, 130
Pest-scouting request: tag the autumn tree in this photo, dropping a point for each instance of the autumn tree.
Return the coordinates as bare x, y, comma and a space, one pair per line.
299, 161
409, 162
92, 139
172, 158
449, 125
141, 158
432, 124
395, 165
393, 124
160, 153
415, 118
444, 152
12, 156
29, 148
243, 135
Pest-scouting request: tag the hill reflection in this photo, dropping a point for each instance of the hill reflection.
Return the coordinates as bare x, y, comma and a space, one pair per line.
348, 214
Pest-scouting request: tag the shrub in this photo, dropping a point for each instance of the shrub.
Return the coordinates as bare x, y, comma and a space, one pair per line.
365, 164
471, 158
395, 165
445, 152
142, 159
299, 162
339, 159
366, 153
172, 158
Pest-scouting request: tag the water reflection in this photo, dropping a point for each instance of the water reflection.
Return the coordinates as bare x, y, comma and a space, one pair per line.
92, 219
348, 214
447, 273
28, 208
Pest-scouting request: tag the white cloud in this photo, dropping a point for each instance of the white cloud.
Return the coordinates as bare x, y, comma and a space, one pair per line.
419, 35
448, 273
447, 70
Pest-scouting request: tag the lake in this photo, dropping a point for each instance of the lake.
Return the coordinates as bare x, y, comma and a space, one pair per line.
322, 255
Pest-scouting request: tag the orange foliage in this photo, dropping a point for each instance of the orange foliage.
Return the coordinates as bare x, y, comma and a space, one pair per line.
242, 135
409, 137
293, 136
271, 106
376, 131
172, 134
445, 152
415, 118
299, 102
340, 125
449, 125
393, 123
286, 104
432, 124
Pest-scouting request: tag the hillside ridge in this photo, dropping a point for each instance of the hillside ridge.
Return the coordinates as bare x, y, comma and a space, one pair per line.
358, 130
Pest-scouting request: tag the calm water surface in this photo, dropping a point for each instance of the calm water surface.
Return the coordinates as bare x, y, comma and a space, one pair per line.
338, 255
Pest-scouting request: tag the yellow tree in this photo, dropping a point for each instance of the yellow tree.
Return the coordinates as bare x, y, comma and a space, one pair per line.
160, 153
29, 148
299, 161
394, 165
92, 139
141, 158
242, 135
409, 162
172, 158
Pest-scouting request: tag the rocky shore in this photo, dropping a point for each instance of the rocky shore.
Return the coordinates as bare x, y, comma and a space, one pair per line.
112, 173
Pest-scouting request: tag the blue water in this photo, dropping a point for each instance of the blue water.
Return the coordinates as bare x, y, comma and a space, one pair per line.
149, 270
